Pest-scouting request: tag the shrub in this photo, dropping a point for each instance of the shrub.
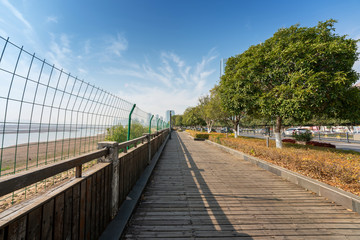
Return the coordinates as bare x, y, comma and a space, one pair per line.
118, 133
305, 137
320, 144
202, 135
288, 140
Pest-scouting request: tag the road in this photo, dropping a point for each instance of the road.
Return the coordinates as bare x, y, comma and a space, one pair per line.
339, 145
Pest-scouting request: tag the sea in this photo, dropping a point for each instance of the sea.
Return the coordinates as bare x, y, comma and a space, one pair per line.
12, 134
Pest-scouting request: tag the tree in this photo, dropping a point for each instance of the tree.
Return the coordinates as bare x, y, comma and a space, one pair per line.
178, 120
191, 117
300, 73
236, 94
210, 109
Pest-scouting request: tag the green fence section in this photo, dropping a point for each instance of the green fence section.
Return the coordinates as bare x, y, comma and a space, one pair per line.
47, 114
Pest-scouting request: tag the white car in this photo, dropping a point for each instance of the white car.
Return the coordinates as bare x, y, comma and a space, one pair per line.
290, 131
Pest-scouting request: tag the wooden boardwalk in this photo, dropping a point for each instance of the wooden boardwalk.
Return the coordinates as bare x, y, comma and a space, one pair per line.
198, 191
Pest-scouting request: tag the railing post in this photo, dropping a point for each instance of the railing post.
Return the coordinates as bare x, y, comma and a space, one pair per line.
78, 171
149, 140
129, 124
113, 158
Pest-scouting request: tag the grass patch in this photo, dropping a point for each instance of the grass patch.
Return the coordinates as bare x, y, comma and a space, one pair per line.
338, 168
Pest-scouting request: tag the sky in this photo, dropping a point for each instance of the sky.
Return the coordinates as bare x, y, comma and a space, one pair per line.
159, 54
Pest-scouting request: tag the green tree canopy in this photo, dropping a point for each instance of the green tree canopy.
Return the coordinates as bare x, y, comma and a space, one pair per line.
191, 117
298, 73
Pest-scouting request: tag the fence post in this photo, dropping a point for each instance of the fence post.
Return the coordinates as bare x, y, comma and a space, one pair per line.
150, 124
170, 126
149, 139
129, 124
347, 136
157, 124
113, 158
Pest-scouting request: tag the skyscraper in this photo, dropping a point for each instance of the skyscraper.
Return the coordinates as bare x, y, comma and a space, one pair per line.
167, 115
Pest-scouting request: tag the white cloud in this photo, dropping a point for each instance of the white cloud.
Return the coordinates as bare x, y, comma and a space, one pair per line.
16, 13
87, 46
171, 85
124, 72
82, 71
51, 19
117, 45
60, 52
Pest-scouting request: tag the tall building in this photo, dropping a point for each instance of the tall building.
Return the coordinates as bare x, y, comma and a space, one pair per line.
167, 115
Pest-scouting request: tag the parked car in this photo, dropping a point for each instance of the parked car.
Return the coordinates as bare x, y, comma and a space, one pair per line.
290, 131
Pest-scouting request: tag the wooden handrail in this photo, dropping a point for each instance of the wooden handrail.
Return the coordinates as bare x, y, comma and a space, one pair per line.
124, 145
17, 181
14, 182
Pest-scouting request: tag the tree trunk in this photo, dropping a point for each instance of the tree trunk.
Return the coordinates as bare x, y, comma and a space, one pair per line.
278, 132
209, 126
236, 128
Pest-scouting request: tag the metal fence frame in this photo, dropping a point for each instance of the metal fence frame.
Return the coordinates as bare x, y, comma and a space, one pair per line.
47, 114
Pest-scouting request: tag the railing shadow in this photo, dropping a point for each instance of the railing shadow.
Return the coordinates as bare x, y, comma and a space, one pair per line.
219, 221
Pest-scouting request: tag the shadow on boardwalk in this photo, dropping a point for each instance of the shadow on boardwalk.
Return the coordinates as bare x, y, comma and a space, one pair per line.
178, 203
198, 191
221, 227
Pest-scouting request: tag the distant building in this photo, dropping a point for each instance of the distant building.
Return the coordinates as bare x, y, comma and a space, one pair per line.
167, 115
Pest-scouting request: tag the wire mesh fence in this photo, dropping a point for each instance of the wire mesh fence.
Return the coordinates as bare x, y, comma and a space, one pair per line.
47, 114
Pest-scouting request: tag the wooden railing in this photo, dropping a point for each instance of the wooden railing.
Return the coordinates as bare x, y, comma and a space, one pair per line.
82, 207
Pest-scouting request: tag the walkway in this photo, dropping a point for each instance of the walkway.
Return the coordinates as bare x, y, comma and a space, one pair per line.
198, 191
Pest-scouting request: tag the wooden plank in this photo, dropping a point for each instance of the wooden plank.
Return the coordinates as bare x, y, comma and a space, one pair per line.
14, 182
34, 224
88, 208
2, 233
17, 229
68, 207
93, 207
76, 211
202, 192
128, 143
106, 197
126, 176
78, 171
97, 204
47, 225
102, 201
82, 211
59, 216
121, 181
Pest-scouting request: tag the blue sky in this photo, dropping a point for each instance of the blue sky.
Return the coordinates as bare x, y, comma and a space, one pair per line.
159, 54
